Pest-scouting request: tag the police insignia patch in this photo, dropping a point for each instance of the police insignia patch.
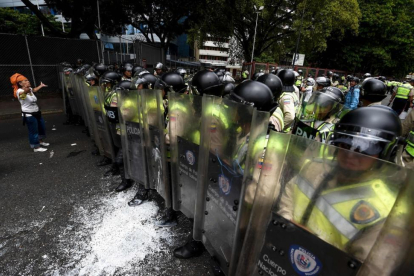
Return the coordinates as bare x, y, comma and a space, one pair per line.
363, 213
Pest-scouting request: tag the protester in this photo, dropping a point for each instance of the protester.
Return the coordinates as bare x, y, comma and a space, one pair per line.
31, 114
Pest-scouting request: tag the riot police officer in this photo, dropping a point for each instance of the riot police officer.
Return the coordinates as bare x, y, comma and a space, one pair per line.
402, 96
111, 106
182, 72
299, 79
372, 133
289, 100
322, 82
373, 91
159, 69
99, 69
107, 81
275, 84
126, 70
91, 79
366, 75
320, 112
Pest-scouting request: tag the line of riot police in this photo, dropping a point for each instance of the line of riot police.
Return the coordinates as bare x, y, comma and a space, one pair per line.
276, 182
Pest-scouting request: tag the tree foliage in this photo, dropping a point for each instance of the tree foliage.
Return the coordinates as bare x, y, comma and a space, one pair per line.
384, 44
15, 22
164, 19
278, 24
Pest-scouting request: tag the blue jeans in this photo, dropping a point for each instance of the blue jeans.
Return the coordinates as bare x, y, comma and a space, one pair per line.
36, 130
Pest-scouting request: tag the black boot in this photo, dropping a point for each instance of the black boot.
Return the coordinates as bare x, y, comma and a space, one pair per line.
104, 161
126, 183
189, 250
168, 219
140, 197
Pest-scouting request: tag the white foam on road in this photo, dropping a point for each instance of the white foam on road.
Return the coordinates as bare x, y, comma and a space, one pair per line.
110, 238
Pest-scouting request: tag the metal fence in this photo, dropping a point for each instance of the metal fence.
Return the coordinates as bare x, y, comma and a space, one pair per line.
38, 58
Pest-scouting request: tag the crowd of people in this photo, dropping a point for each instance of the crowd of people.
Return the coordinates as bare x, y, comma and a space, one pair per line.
344, 112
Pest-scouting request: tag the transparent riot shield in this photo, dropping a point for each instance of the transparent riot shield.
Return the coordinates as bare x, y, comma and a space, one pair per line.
88, 110
132, 136
70, 94
78, 96
100, 120
324, 211
153, 115
184, 112
318, 118
229, 131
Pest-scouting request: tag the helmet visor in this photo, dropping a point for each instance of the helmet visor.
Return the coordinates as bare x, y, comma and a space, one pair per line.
321, 106
368, 145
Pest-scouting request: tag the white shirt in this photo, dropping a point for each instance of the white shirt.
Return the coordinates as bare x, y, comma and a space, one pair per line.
28, 101
308, 93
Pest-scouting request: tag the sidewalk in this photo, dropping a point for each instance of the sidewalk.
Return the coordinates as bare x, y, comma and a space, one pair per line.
49, 103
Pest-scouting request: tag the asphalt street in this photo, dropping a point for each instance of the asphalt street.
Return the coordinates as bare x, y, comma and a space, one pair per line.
60, 216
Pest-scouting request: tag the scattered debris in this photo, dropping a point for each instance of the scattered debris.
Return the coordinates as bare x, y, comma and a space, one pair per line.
42, 209
74, 144
53, 128
51, 154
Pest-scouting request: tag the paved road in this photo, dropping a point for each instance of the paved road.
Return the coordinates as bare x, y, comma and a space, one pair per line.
59, 216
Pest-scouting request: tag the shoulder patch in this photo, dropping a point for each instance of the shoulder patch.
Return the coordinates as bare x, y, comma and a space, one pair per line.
363, 213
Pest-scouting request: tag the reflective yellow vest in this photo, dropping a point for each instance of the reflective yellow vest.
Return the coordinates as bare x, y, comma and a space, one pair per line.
339, 214
403, 91
410, 144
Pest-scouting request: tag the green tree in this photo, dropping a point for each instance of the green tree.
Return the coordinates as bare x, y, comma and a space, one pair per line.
384, 44
279, 23
15, 22
83, 15
160, 19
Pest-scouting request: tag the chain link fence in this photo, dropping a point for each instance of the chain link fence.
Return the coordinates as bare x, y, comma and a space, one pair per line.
38, 58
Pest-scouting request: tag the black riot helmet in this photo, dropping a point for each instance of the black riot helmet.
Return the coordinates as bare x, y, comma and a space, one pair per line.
274, 83
100, 69
257, 75
300, 71
288, 79
147, 80
254, 93
323, 81
89, 77
127, 67
323, 104
173, 81
136, 69
367, 75
125, 84
335, 77
329, 74
373, 90
371, 130
181, 71
110, 77
335, 92
228, 89
206, 82
382, 78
